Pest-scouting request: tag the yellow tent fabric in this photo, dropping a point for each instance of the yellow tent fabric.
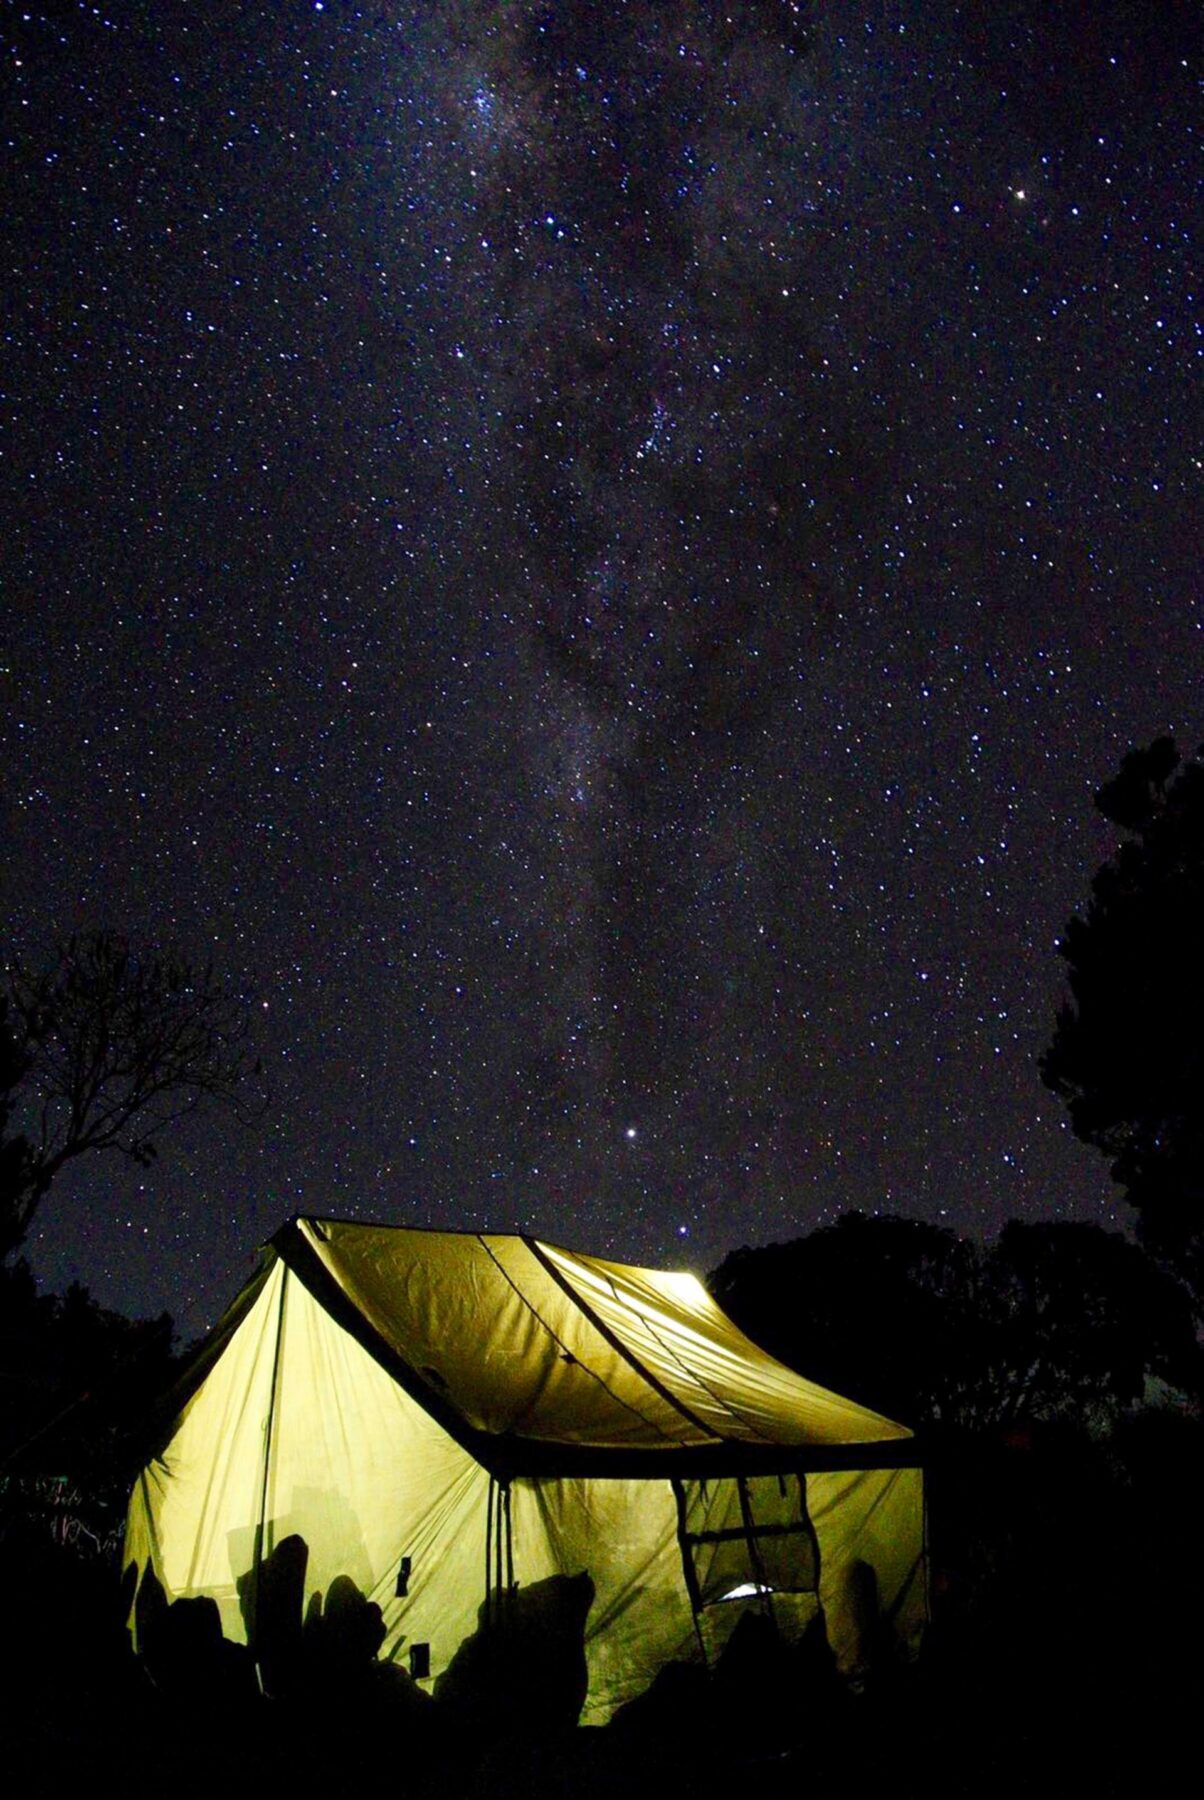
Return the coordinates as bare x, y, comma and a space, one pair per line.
441, 1416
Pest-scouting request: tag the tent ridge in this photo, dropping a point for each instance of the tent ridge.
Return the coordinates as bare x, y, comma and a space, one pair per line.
619, 1346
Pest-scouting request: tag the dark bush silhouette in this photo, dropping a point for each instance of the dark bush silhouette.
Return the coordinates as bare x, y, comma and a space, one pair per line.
78, 1386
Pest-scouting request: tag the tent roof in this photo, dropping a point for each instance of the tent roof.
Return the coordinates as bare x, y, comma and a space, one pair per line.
539, 1357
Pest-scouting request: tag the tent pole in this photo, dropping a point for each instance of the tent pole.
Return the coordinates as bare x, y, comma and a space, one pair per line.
765, 1595
804, 1483
687, 1563
489, 1552
267, 1463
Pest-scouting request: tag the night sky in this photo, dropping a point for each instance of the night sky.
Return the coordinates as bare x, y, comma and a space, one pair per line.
598, 554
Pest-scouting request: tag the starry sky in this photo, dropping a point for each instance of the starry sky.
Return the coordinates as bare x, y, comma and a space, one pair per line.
598, 555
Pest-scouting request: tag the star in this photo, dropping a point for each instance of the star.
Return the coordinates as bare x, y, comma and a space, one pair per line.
528, 566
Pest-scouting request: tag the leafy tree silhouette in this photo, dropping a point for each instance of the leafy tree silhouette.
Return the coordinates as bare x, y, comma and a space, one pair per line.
864, 1307
100, 1051
1127, 1053
1057, 1321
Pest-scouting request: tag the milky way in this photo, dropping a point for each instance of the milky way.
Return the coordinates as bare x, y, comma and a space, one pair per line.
599, 554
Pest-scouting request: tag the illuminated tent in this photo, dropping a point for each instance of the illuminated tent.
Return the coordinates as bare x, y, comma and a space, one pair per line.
447, 1419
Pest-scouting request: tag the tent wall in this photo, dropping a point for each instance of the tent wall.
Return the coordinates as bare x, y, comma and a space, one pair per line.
849, 1545
870, 1521
354, 1466
623, 1534
207, 1486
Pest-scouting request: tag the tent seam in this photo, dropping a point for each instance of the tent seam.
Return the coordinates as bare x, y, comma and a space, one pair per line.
559, 1342
617, 1343
690, 1373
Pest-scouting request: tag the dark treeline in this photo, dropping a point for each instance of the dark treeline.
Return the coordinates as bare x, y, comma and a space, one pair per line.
79, 1385
1054, 1378
1054, 1322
